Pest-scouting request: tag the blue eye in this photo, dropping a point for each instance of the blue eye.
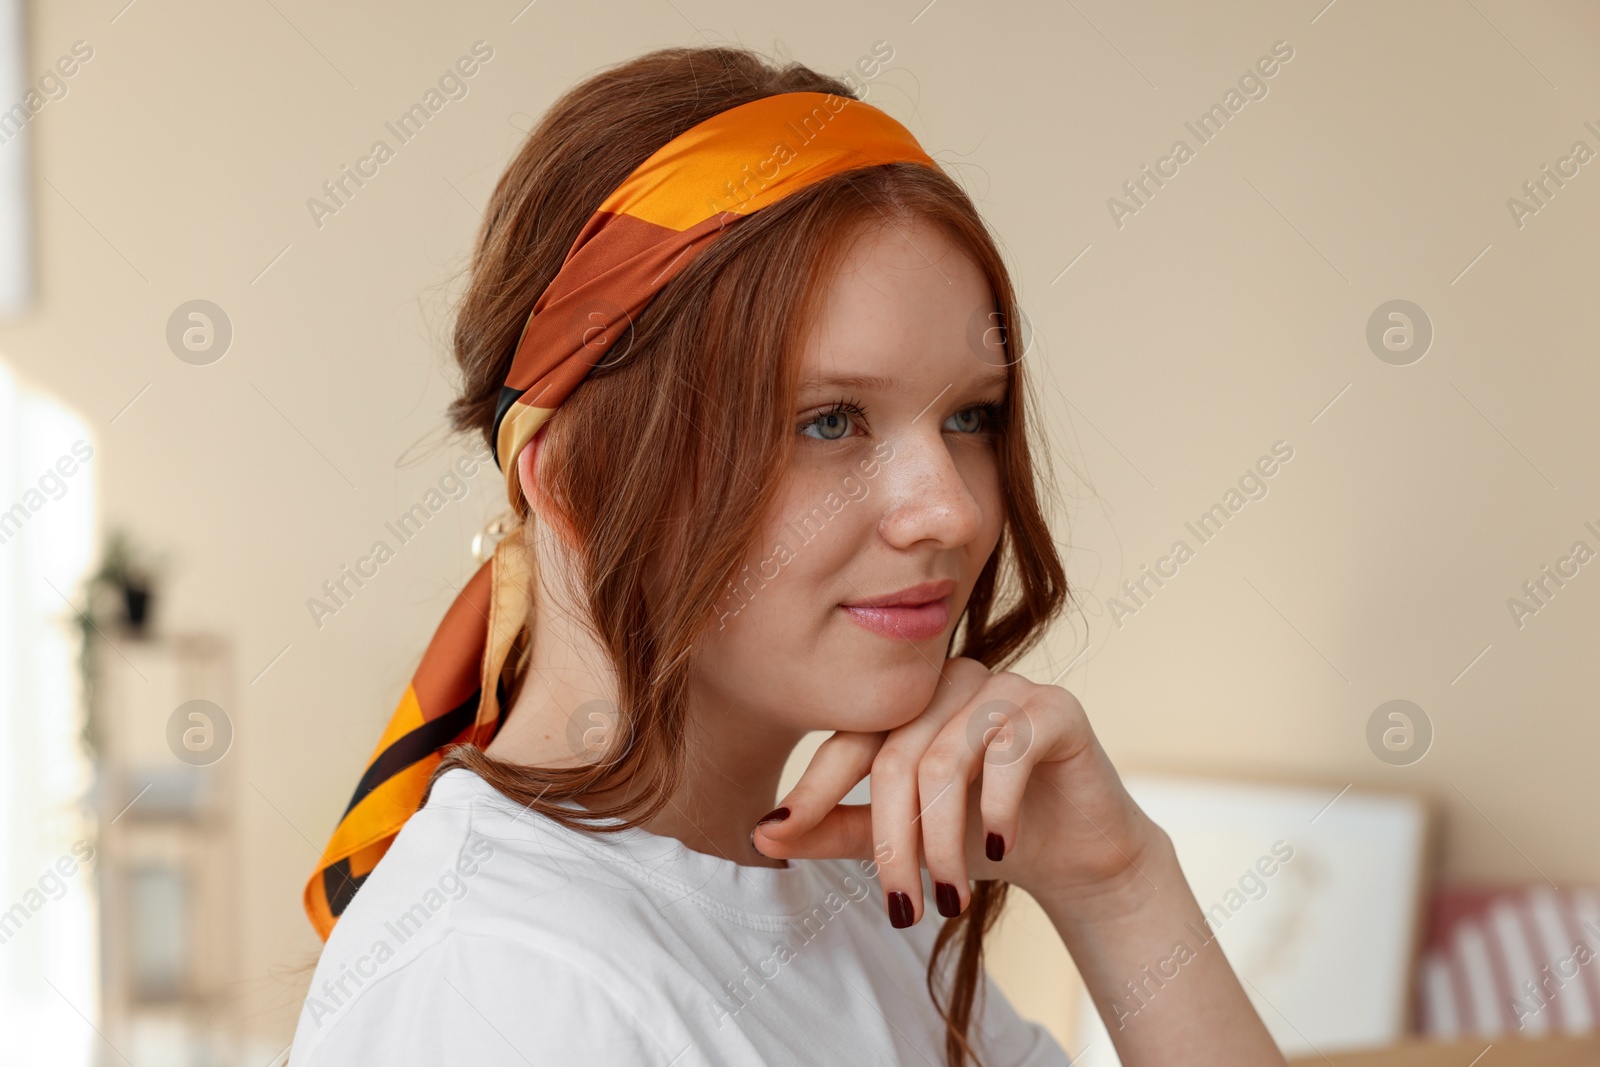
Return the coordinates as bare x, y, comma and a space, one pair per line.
968, 421
836, 423
833, 424
830, 425
980, 418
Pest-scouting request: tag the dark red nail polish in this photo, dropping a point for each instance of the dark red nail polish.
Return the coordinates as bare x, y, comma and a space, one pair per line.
995, 847
949, 900
775, 815
900, 913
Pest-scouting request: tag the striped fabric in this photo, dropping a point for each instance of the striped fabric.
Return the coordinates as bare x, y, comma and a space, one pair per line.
671, 208
444, 705
1520, 962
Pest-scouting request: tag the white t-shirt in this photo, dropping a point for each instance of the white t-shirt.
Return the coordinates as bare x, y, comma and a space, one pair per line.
491, 935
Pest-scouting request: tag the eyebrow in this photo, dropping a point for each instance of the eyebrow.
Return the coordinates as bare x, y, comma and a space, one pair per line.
880, 384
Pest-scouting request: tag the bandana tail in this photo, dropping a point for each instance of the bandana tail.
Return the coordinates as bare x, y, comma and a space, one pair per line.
437, 711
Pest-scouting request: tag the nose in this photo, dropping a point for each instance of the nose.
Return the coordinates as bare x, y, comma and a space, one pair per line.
927, 498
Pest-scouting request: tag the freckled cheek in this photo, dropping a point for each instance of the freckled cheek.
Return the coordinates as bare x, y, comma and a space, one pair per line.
819, 569
788, 582
982, 475
994, 515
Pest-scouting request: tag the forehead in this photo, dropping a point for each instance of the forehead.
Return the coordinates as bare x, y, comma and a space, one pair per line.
904, 292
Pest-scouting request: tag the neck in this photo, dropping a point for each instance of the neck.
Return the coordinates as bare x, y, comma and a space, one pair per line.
564, 714
731, 774
734, 761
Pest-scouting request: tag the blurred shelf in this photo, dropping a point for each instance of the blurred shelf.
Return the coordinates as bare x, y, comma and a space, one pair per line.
1482, 1052
165, 793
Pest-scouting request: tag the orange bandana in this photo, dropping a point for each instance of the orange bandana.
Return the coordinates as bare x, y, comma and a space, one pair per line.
671, 208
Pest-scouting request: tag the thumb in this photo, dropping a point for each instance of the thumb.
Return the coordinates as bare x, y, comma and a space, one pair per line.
843, 833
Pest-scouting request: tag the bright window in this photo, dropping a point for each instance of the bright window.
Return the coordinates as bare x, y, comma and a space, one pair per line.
48, 974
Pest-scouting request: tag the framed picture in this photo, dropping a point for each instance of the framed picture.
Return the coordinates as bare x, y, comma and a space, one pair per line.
1315, 894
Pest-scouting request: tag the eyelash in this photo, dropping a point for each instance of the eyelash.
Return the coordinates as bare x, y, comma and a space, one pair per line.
993, 416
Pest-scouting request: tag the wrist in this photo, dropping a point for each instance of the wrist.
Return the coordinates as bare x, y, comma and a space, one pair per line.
1141, 888
1129, 938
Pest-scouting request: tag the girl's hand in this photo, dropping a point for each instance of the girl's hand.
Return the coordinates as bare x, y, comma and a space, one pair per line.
999, 777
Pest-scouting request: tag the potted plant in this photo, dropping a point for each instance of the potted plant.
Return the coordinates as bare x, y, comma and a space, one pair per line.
130, 574
121, 590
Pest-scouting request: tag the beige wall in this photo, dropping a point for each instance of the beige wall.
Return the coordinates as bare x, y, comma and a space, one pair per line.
1222, 317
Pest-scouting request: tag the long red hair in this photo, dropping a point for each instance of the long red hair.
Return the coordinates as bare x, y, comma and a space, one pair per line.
664, 516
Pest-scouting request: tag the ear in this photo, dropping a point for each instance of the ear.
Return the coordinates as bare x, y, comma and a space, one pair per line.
526, 466
528, 475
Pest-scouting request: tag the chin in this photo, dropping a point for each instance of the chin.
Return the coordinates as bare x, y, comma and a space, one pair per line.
891, 694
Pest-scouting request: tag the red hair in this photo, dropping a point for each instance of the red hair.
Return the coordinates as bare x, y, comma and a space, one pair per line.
664, 519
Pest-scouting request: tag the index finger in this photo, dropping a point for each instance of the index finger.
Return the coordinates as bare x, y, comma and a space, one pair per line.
845, 832
836, 767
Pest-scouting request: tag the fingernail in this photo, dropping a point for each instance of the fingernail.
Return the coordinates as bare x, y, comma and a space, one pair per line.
900, 913
995, 847
949, 900
775, 815
753, 843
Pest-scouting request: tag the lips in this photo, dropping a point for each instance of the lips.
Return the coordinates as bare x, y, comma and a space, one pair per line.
912, 614
911, 596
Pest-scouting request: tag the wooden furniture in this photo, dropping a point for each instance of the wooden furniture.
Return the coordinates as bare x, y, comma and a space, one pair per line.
1481, 1052
166, 791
